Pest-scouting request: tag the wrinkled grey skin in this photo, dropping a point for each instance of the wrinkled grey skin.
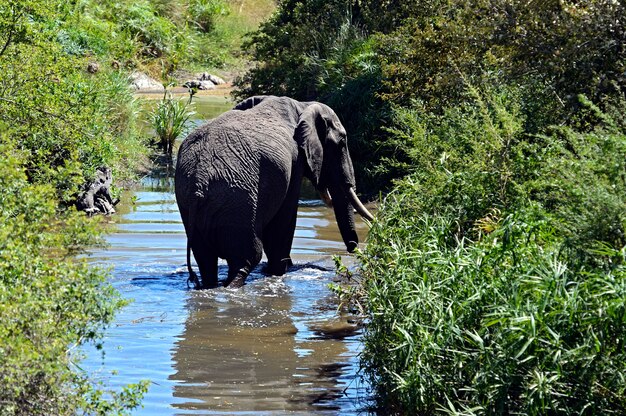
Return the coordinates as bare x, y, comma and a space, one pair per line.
238, 182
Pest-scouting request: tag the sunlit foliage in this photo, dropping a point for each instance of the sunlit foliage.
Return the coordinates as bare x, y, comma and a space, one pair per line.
58, 123
495, 273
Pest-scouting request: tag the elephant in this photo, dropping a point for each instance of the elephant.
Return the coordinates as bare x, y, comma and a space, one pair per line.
238, 178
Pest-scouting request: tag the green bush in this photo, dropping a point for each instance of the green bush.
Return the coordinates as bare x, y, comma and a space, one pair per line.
170, 120
204, 12
58, 124
465, 159
156, 34
301, 48
50, 302
495, 273
579, 177
555, 44
63, 123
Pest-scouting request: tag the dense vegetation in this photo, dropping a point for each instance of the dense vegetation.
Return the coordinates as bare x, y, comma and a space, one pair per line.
366, 58
162, 36
494, 276
59, 123
65, 110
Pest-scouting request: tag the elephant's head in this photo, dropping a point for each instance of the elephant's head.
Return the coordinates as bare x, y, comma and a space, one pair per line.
322, 139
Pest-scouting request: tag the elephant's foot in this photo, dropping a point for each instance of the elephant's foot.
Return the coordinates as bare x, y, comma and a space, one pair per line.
209, 285
237, 281
278, 268
200, 283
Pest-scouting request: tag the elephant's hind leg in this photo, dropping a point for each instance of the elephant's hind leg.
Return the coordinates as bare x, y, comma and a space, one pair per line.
241, 264
207, 263
208, 271
277, 242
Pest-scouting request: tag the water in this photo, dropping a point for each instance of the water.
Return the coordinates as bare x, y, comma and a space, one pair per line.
276, 345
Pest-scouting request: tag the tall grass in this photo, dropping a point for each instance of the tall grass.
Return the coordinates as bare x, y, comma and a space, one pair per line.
502, 325
495, 274
170, 120
220, 50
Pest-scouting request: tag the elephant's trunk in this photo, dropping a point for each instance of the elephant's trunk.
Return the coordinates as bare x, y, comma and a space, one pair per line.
344, 214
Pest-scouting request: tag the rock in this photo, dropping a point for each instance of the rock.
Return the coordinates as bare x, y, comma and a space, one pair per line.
95, 197
201, 85
205, 76
216, 80
93, 67
142, 82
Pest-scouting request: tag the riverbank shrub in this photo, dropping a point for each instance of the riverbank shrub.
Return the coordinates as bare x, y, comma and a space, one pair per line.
50, 302
170, 120
495, 281
425, 51
58, 123
71, 126
157, 36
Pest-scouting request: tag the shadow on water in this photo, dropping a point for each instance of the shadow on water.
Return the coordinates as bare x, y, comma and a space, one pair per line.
276, 345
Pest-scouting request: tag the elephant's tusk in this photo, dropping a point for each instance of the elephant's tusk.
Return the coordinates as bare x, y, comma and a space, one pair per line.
358, 205
326, 197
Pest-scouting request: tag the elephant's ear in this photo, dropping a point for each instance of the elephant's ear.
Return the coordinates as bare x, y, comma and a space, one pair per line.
310, 135
250, 102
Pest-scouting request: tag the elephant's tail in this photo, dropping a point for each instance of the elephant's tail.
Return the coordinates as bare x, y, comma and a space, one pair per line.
193, 277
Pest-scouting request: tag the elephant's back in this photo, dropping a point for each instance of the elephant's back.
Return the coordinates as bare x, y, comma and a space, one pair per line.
221, 161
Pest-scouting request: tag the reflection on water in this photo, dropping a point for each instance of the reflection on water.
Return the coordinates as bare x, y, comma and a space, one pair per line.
276, 345
258, 350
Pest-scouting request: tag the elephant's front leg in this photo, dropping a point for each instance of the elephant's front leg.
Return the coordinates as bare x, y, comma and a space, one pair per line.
279, 232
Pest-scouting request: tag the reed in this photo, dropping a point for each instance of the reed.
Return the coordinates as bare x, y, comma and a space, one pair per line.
170, 120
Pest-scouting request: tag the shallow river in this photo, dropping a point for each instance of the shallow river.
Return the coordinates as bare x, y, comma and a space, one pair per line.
278, 345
